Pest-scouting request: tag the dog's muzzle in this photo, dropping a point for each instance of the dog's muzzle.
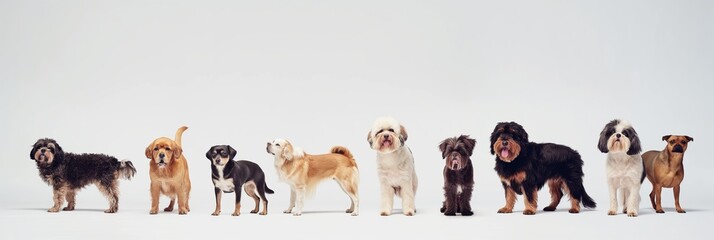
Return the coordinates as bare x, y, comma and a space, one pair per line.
267, 149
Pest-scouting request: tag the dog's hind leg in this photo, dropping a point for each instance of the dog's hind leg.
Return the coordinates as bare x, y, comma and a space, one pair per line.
250, 189
70, 196
350, 188
261, 192
110, 191
556, 193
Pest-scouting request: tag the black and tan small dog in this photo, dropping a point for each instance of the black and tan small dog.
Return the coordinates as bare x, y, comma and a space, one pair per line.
665, 169
458, 175
230, 176
67, 173
524, 167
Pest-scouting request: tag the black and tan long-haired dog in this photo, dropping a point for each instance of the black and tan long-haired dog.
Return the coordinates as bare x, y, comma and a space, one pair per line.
68, 172
524, 167
458, 175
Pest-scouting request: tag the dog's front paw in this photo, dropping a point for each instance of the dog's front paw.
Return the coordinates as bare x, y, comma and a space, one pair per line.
659, 211
168, 209
612, 212
153, 211
679, 210
505, 210
529, 212
53, 209
467, 213
632, 214
297, 214
111, 210
289, 210
263, 213
574, 210
385, 213
549, 208
183, 212
408, 212
216, 213
449, 213
67, 208
254, 211
235, 214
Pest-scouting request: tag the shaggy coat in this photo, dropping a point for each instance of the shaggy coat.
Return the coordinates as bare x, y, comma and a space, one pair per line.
458, 175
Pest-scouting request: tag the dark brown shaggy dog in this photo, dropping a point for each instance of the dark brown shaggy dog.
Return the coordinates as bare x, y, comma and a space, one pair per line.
68, 172
458, 175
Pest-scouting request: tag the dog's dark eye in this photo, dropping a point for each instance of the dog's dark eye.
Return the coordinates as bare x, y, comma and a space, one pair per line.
277, 144
156, 149
671, 142
168, 149
380, 131
391, 130
684, 142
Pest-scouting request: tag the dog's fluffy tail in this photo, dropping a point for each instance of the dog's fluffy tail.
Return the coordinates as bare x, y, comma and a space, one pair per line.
587, 200
644, 172
126, 169
343, 151
179, 132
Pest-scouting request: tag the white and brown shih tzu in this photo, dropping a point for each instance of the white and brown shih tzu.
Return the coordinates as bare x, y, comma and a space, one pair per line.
395, 165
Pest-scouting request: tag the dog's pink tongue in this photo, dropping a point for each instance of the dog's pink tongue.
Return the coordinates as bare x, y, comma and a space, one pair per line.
454, 162
504, 153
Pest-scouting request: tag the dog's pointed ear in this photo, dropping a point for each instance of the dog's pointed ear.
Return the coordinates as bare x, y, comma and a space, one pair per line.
403, 134
149, 151
442, 147
177, 151
232, 152
208, 154
602, 143
470, 144
635, 146
287, 152
665, 137
690, 139
369, 138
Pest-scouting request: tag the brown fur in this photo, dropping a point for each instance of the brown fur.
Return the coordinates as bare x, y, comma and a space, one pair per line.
513, 149
664, 169
304, 171
171, 180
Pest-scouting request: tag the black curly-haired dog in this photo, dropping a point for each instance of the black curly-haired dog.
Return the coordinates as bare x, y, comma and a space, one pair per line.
68, 172
458, 175
524, 167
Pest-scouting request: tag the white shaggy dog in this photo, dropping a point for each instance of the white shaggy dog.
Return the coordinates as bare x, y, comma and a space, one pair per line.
624, 165
395, 165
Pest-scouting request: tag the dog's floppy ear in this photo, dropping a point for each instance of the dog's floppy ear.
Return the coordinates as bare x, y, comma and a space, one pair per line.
602, 143
208, 154
150, 151
403, 134
232, 152
369, 138
635, 147
176, 151
469, 143
442, 147
665, 137
494, 136
59, 153
691, 139
32, 152
287, 152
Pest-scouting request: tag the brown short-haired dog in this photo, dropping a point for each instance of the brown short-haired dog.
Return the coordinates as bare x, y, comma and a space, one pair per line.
664, 169
169, 173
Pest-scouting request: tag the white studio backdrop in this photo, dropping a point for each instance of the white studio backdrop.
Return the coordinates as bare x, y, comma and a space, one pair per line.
111, 76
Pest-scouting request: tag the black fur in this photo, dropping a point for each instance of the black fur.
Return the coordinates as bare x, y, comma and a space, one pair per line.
69, 172
540, 162
240, 171
457, 150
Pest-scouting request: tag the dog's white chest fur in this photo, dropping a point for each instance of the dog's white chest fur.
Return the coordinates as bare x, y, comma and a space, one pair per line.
624, 170
397, 168
225, 184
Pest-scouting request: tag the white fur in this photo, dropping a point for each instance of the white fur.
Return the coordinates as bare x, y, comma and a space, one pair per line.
225, 184
395, 167
623, 173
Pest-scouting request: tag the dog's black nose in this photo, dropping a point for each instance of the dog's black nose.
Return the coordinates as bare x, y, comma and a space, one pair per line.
618, 135
386, 137
504, 143
43, 150
162, 155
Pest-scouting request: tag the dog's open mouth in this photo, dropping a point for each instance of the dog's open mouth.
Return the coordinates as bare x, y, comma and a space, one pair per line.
387, 143
455, 164
505, 152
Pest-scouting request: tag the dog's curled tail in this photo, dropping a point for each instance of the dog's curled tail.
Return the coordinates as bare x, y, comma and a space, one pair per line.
343, 151
126, 169
179, 132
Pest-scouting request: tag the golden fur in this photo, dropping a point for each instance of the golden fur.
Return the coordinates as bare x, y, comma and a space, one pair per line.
304, 171
169, 176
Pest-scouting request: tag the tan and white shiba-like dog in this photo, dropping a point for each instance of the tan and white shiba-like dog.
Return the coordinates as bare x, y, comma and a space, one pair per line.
395, 165
304, 171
